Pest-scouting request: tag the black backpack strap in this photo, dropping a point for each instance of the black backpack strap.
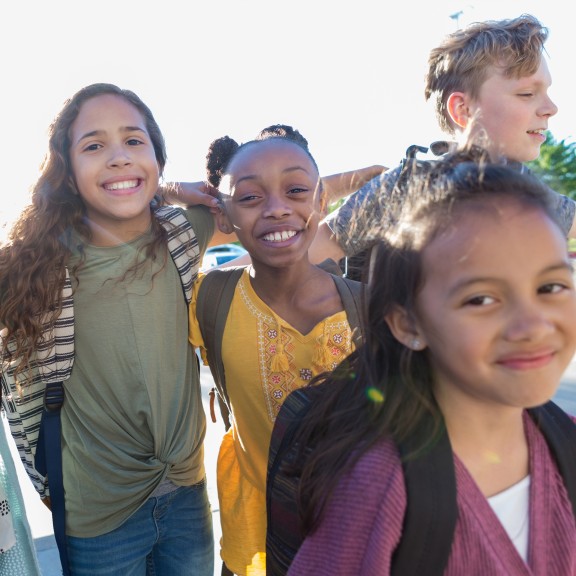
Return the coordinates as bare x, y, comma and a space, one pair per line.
212, 306
352, 295
330, 265
283, 533
48, 461
560, 432
431, 511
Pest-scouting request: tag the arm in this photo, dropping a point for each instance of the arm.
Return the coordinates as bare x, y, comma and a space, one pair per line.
325, 245
191, 194
194, 194
340, 185
355, 225
336, 185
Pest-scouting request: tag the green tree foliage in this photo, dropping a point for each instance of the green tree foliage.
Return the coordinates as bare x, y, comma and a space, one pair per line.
556, 165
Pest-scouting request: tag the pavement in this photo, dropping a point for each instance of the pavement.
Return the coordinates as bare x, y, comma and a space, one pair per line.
41, 521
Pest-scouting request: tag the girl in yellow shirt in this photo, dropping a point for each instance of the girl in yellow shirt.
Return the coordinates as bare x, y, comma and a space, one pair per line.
286, 321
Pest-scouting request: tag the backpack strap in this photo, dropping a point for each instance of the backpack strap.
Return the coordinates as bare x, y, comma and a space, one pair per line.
431, 510
212, 306
182, 244
283, 533
352, 296
560, 432
48, 462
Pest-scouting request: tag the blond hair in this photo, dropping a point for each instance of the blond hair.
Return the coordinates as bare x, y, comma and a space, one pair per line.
465, 58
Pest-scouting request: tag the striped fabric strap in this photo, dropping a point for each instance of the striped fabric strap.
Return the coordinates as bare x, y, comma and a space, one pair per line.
24, 405
182, 244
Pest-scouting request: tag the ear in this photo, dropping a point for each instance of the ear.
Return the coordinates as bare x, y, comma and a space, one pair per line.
222, 220
457, 107
404, 328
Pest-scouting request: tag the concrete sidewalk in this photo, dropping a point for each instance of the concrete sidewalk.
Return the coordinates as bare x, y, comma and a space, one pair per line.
41, 521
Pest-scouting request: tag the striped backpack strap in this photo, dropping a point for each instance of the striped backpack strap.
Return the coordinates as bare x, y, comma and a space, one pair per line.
182, 244
24, 404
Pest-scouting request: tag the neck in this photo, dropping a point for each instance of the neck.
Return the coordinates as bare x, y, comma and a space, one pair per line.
491, 444
108, 236
279, 283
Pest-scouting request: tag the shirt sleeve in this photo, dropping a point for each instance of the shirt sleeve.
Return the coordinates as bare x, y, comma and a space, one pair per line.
565, 209
357, 223
194, 332
362, 522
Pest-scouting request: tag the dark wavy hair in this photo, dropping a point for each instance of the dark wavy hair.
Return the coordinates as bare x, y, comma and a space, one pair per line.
33, 260
384, 389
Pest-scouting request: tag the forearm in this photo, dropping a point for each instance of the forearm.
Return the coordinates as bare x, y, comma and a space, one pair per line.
324, 245
340, 185
355, 225
190, 194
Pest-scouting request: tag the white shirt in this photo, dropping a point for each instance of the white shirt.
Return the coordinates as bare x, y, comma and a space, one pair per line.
512, 509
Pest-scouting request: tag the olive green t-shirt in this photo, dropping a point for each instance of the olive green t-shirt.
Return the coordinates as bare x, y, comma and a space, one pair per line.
133, 414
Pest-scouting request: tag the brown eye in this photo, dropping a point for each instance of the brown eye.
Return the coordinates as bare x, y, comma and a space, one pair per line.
481, 300
552, 288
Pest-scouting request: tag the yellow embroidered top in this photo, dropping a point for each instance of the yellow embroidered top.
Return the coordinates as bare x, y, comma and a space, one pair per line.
265, 358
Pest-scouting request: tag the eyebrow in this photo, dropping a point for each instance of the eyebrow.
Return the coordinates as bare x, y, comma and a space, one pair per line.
564, 265
93, 133
285, 171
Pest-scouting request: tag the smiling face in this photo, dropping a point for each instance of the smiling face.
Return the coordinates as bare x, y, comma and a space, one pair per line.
115, 168
271, 199
514, 113
500, 327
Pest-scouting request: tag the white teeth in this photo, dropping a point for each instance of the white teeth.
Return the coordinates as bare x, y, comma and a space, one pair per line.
279, 236
122, 185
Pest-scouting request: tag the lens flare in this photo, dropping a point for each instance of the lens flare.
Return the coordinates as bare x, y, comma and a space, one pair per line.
375, 395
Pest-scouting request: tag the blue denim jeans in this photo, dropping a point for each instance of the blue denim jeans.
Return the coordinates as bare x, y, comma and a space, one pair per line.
170, 535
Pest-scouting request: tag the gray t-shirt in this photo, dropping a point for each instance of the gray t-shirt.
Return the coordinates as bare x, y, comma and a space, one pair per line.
357, 223
133, 414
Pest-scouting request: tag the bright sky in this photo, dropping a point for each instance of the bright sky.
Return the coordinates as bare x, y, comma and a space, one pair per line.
348, 75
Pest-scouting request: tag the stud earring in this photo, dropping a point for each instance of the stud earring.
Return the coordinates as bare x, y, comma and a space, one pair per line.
415, 344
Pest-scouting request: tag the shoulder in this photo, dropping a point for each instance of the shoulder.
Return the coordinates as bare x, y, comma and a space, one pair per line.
362, 523
199, 217
381, 459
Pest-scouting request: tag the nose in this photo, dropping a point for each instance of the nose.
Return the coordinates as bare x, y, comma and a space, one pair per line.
276, 207
549, 108
119, 157
529, 322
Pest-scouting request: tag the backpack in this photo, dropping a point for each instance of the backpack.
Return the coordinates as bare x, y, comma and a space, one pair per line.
431, 511
213, 303
34, 416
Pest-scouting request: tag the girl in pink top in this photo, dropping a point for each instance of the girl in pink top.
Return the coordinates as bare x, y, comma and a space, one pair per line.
464, 333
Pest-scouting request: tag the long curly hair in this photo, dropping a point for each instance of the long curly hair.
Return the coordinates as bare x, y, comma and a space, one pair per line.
33, 260
384, 389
